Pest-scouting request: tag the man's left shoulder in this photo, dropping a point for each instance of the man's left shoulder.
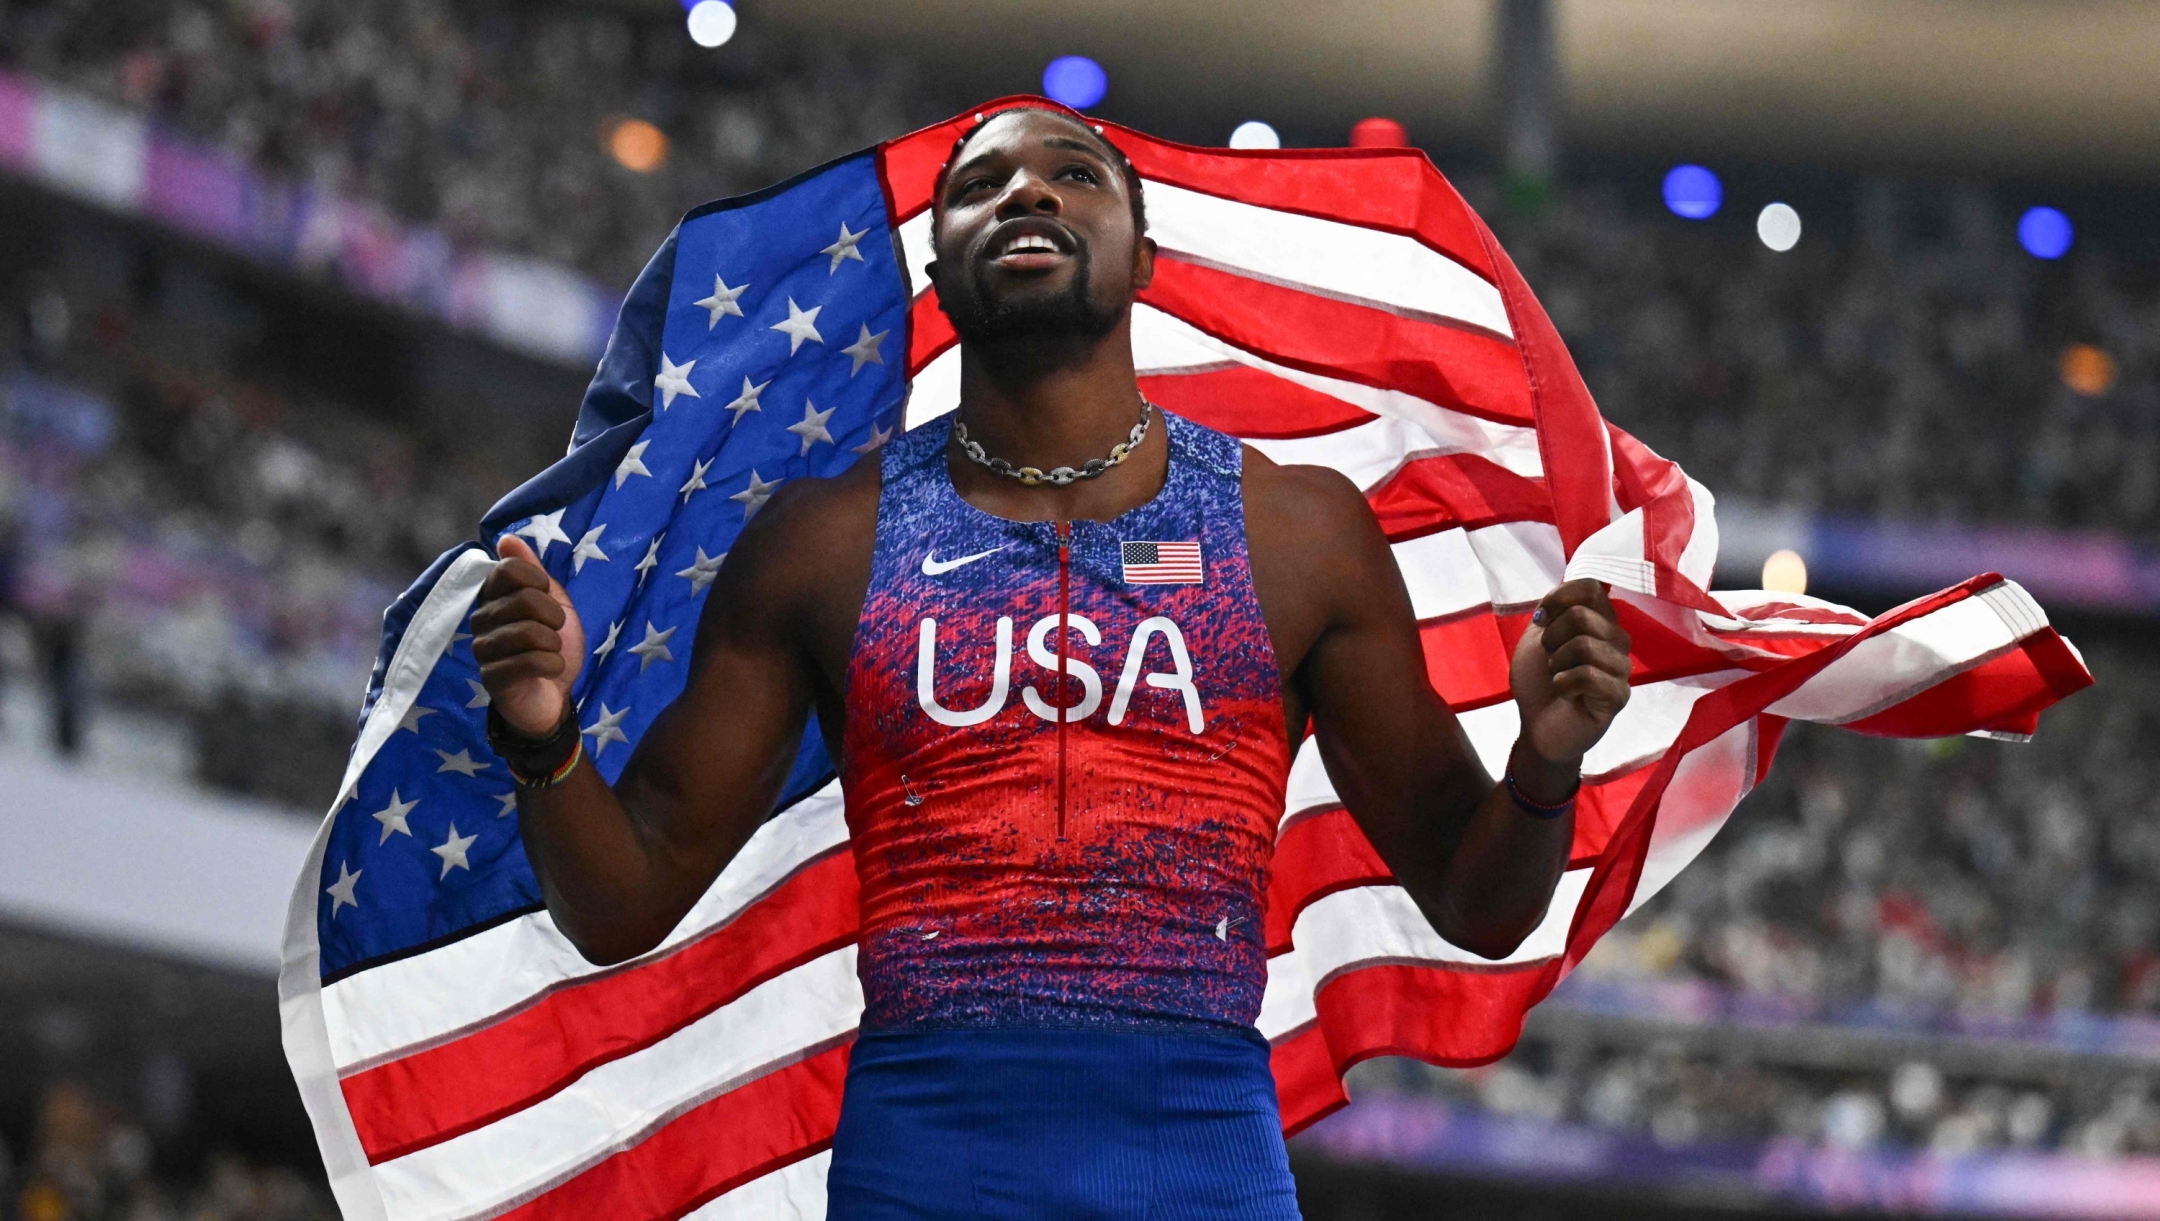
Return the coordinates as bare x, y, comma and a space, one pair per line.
1303, 503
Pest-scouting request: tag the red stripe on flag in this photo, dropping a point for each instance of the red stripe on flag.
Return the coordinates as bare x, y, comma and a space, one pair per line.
930, 332
2004, 694
1571, 434
1323, 851
747, 1133
1428, 495
1453, 1014
434, 1095
1465, 658
1252, 403
1458, 368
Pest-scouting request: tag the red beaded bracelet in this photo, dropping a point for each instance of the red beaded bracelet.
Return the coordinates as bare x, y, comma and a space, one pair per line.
1538, 809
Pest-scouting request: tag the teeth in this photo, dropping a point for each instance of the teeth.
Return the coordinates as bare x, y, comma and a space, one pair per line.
1030, 241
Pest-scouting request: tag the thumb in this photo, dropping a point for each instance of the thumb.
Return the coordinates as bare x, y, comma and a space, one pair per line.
511, 547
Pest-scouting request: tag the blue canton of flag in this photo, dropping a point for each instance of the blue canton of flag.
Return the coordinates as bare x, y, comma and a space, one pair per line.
765, 342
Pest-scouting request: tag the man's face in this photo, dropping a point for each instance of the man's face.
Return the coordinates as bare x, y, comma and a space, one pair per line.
1035, 235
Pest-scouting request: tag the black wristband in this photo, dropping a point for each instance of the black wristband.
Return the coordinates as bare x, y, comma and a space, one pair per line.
533, 760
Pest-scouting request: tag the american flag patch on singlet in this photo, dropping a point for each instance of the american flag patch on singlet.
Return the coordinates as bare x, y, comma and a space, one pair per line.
1161, 563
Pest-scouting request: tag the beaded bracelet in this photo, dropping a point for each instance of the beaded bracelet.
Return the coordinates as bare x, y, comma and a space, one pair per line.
1538, 809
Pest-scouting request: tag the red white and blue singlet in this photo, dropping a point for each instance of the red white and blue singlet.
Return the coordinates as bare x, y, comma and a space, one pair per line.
1067, 877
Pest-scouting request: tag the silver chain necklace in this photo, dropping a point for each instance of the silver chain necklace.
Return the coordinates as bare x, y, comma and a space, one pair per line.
1062, 475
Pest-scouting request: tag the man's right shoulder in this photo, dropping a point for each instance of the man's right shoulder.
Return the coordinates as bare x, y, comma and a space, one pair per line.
813, 535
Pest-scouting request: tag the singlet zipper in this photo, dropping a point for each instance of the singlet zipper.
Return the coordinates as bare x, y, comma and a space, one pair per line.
1064, 537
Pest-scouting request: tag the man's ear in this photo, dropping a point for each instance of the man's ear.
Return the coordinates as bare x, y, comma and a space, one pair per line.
1143, 263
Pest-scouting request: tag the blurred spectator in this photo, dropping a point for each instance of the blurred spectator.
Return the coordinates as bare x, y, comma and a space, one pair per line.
93, 1162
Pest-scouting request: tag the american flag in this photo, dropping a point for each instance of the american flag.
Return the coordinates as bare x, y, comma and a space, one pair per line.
1160, 563
1337, 307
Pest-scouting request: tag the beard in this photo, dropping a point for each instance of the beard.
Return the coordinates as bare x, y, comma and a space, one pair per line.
980, 319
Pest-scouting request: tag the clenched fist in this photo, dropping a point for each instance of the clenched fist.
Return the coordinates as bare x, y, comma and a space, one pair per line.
527, 639
1570, 673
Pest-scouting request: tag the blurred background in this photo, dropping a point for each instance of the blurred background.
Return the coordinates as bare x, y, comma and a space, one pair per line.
291, 290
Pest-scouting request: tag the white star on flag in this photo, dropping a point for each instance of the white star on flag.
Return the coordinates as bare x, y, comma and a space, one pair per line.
701, 573
633, 463
696, 480
608, 728
341, 891
673, 379
654, 648
878, 437
412, 718
608, 646
747, 401
651, 560
452, 852
588, 548
480, 697
865, 349
462, 763
542, 530
754, 497
722, 301
812, 428
509, 804
801, 324
844, 248
392, 817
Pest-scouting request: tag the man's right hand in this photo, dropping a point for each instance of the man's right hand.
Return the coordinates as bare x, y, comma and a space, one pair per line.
527, 639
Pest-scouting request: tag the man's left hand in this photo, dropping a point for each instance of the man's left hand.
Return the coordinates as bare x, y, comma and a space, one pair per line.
1570, 673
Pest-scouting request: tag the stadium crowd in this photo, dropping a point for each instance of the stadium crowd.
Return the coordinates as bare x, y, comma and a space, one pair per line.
491, 121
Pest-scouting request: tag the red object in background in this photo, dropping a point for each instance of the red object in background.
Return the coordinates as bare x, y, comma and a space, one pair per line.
1379, 133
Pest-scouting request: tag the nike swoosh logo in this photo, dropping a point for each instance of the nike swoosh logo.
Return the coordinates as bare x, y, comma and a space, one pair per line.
933, 566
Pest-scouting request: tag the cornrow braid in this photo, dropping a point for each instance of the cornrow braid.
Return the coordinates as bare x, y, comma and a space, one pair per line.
1115, 154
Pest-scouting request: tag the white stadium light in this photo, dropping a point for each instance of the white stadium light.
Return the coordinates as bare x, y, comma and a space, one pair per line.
712, 22
1779, 227
1254, 134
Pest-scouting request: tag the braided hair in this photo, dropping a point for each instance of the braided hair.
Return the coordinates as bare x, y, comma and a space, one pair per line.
1115, 155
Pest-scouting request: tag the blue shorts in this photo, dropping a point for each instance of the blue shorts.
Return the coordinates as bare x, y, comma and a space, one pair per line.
1005, 1123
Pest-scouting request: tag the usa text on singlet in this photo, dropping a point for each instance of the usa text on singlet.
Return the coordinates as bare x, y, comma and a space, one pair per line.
1095, 855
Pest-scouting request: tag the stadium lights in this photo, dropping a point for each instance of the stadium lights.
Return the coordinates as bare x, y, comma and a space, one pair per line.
1785, 572
712, 22
1075, 81
2045, 233
2087, 370
1377, 132
1778, 225
1252, 133
1693, 192
636, 145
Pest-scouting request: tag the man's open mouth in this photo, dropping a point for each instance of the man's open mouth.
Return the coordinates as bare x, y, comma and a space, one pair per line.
1030, 245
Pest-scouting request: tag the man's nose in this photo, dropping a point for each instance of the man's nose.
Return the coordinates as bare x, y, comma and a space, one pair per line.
1028, 194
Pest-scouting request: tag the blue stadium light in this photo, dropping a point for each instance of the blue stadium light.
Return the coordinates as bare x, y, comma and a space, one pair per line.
2045, 233
1075, 81
1693, 192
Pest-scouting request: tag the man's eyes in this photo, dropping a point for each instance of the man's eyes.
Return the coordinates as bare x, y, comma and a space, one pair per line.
975, 185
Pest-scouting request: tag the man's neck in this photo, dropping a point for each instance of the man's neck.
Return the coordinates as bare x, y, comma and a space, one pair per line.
1046, 406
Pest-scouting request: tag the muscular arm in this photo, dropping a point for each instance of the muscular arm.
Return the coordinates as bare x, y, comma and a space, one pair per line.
620, 867
1481, 869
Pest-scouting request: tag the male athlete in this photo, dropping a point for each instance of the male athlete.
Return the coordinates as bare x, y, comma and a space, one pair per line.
1063, 708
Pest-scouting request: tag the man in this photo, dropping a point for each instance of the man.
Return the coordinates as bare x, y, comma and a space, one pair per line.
1062, 857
